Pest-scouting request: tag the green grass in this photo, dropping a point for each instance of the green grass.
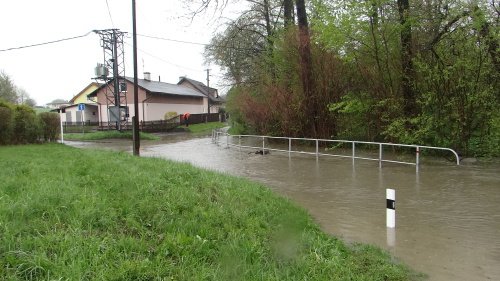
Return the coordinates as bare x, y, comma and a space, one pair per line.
107, 135
72, 214
204, 128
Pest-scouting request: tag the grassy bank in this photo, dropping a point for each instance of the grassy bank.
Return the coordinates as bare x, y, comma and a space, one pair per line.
71, 214
204, 128
107, 135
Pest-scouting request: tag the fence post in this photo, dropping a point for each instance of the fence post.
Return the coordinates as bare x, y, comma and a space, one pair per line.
317, 149
417, 160
380, 154
417, 156
353, 151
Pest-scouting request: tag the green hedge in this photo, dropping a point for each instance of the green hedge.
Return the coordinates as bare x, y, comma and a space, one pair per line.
6, 121
49, 125
19, 124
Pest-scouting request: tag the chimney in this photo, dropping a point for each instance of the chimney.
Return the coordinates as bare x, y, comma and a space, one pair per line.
147, 76
159, 78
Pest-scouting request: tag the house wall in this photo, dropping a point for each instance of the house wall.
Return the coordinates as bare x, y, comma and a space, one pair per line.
156, 106
90, 114
103, 107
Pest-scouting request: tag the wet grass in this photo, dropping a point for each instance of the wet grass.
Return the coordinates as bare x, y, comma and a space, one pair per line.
71, 214
204, 128
107, 135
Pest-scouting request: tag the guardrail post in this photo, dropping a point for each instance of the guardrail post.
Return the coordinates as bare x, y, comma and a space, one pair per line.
417, 156
227, 140
380, 154
263, 144
317, 149
289, 147
353, 151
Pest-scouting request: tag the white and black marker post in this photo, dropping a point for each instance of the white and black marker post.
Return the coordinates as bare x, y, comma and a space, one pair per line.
391, 208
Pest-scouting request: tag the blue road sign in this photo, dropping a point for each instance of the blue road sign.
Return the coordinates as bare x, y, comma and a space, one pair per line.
81, 106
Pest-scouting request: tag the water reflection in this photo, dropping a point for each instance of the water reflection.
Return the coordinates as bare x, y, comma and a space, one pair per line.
448, 217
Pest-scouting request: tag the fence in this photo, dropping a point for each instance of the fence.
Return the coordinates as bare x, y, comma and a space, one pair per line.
162, 125
145, 126
217, 137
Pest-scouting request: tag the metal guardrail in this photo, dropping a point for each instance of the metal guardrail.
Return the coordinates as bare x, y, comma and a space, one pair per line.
217, 138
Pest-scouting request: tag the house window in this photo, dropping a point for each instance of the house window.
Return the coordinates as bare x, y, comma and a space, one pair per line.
93, 113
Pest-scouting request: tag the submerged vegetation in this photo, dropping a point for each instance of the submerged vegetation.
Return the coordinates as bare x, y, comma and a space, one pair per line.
70, 214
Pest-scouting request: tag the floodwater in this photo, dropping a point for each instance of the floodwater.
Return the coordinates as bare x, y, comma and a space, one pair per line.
447, 216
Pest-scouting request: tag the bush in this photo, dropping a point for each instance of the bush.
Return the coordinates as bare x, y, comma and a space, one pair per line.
6, 120
49, 125
26, 128
170, 115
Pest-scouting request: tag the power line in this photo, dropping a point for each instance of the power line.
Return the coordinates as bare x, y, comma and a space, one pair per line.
109, 13
46, 43
163, 60
173, 40
197, 43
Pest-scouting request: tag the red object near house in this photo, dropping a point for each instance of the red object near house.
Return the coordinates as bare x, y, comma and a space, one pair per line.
185, 116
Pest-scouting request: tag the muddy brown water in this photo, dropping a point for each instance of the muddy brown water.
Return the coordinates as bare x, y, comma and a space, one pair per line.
447, 216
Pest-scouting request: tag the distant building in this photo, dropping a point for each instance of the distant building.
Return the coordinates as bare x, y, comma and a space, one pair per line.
56, 104
156, 98
80, 109
216, 102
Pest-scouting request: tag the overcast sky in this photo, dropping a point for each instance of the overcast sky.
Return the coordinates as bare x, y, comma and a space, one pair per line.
61, 70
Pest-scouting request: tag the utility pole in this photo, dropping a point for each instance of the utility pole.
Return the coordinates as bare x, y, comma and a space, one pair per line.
116, 83
135, 119
114, 60
208, 89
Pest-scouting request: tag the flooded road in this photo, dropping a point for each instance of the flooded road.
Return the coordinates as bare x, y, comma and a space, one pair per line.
447, 216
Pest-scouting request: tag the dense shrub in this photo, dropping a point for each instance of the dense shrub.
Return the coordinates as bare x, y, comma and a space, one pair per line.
19, 124
6, 120
49, 125
170, 115
26, 129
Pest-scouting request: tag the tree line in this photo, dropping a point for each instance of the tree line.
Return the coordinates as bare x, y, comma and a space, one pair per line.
9, 92
406, 71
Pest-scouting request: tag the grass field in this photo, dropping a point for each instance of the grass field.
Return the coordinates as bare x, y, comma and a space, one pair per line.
74, 214
107, 135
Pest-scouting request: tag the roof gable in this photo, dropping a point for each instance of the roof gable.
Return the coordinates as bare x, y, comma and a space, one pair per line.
81, 97
202, 88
